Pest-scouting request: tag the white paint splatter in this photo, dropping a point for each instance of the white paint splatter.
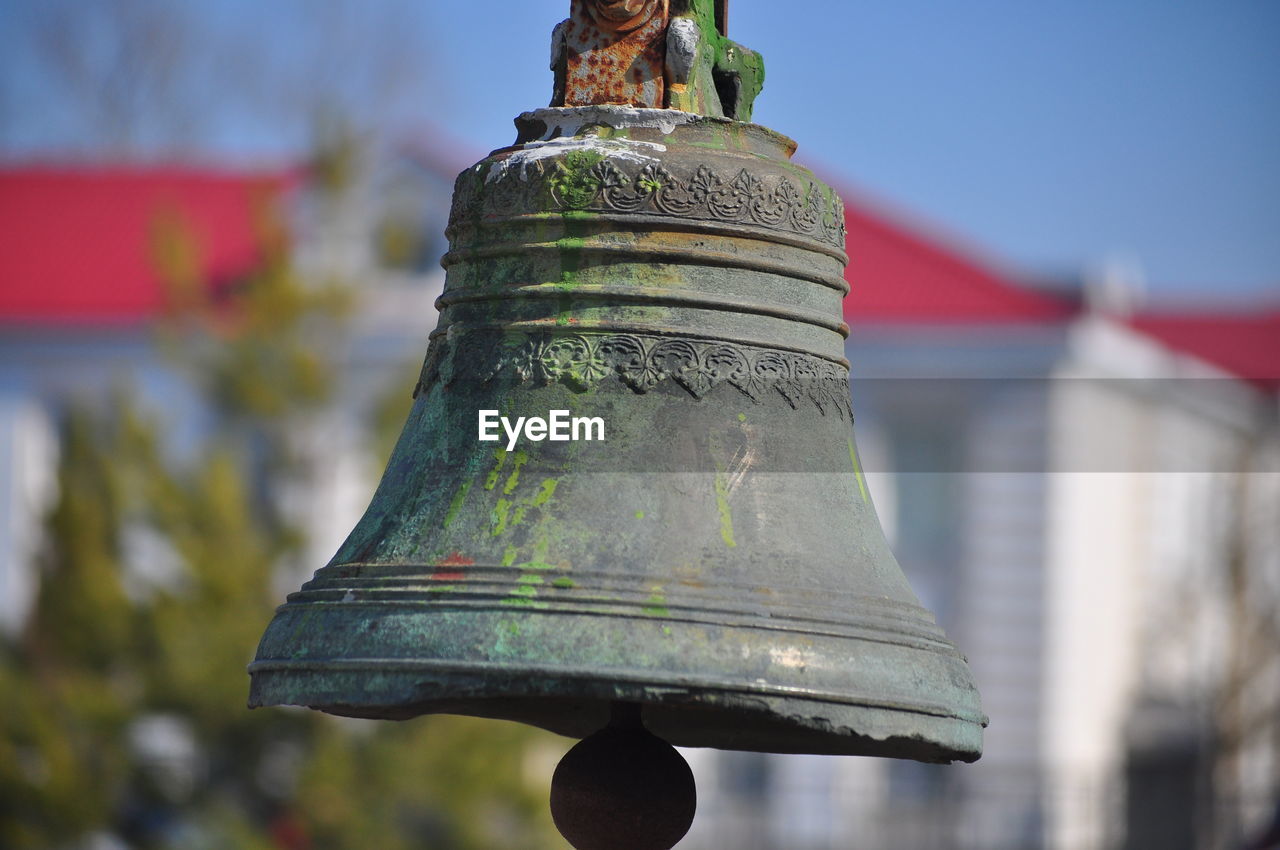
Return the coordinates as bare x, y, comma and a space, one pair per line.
568, 120
790, 656
563, 124
628, 150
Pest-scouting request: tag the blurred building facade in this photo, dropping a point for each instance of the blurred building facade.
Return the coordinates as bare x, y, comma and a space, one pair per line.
1088, 498
84, 284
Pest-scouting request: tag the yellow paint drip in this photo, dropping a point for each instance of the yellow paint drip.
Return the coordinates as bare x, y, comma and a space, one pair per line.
499, 516
456, 504
857, 471
492, 480
544, 495
519, 459
726, 514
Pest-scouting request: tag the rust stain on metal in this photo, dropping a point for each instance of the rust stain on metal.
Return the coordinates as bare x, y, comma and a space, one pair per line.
615, 53
659, 54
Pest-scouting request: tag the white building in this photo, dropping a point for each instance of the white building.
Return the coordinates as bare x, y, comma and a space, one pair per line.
1066, 488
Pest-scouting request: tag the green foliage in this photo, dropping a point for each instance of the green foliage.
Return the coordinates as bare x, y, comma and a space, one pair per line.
155, 586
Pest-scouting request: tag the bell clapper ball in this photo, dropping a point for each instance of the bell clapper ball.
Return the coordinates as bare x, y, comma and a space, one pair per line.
623, 788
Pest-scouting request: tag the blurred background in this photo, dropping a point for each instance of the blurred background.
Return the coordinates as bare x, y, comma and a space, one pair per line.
222, 222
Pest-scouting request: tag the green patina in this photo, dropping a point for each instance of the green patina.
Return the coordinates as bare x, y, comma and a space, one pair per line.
521, 507
546, 492
301, 625
726, 513
815, 193
499, 516
717, 57
500, 455
713, 146
504, 631
656, 605
571, 245
525, 602
573, 181
520, 458
525, 593
455, 504
555, 530
540, 560
570, 248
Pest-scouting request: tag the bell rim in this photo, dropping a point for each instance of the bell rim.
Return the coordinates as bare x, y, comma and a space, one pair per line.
572, 703
629, 677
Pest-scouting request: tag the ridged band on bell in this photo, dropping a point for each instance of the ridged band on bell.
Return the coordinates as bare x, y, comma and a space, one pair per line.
717, 557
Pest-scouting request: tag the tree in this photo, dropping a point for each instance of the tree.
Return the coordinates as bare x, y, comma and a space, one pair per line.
1245, 697
126, 691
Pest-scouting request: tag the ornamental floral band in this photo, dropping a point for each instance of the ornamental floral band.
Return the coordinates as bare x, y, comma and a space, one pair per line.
773, 202
641, 362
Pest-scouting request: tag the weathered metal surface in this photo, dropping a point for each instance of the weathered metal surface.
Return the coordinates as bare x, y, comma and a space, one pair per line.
612, 52
716, 559
654, 54
707, 73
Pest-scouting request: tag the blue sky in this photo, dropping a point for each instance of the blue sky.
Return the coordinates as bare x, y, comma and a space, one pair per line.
1044, 135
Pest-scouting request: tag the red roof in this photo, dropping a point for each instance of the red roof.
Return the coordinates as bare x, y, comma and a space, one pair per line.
79, 243
1244, 344
896, 275
79, 248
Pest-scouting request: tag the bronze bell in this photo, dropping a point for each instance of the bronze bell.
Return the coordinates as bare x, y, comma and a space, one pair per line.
665, 287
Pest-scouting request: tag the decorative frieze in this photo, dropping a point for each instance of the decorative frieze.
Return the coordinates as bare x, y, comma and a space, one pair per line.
619, 185
641, 362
